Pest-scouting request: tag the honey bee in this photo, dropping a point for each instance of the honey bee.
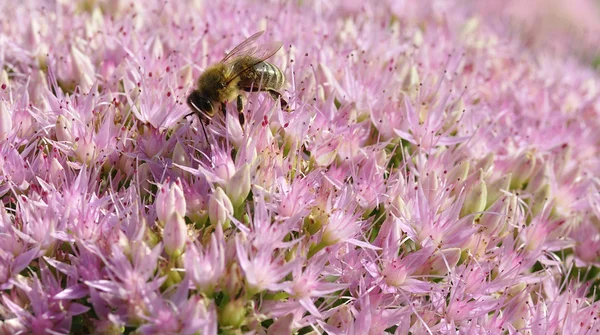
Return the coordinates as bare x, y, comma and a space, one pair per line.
243, 69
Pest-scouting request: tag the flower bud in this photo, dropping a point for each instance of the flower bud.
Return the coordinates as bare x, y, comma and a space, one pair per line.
220, 208
156, 48
180, 156
235, 133
341, 318
395, 273
539, 178
5, 220
486, 163
440, 262
185, 76
496, 189
126, 164
238, 186
430, 185
144, 175
233, 279
83, 69
4, 80
399, 209
56, 170
459, 173
315, 220
232, 314
5, 121
540, 198
27, 124
476, 198
562, 159
174, 235
325, 154
197, 208
523, 167
86, 151
493, 222
170, 200
63, 129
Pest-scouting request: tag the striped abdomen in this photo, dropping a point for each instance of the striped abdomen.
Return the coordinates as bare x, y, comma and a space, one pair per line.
263, 76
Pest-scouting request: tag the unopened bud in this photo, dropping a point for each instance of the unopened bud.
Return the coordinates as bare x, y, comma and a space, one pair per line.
180, 156
232, 314
185, 76
238, 186
170, 200
476, 198
83, 69
174, 235
540, 177
562, 159
523, 167
143, 177
197, 208
4, 82
430, 185
540, 198
86, 151
56, 169
459, 173
63, 129
341, 319
5, 121
498, 188
486, 163
220, 208
494, 221
325, 154
440, 262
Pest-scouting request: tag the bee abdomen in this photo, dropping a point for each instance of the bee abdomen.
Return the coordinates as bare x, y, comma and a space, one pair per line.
263, 76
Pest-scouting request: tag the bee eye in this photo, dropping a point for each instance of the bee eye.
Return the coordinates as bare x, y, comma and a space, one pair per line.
199, 103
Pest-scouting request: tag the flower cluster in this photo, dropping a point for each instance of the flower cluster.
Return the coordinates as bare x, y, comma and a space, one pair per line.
433, 174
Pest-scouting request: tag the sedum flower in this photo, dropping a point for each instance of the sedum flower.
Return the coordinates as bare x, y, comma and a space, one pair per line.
205, 266
425, 170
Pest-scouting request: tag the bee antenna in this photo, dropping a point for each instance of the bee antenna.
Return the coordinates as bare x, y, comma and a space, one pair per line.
204, 131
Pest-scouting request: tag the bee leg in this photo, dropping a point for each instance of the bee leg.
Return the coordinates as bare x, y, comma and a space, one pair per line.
224, 110
240, 108
277, 96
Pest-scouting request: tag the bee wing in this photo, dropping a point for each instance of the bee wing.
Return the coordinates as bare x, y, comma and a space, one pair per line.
243, 48
257, 54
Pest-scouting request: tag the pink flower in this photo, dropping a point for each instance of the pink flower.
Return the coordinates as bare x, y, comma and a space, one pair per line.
425, 167
308, 284
205, 266
262, 271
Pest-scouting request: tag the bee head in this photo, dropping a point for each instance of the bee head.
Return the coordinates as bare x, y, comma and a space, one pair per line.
200, 104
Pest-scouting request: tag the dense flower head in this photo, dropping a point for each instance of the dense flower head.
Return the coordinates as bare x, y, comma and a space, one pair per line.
430, 168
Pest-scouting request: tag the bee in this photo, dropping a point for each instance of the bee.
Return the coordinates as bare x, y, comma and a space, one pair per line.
243, 69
